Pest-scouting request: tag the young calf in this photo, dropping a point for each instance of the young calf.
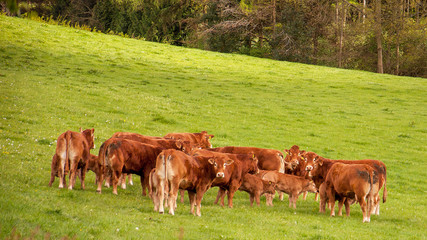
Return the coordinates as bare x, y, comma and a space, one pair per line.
290, 184
324, 199
256, 187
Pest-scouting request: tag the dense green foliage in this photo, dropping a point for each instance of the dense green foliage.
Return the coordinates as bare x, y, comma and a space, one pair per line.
337, 33
54, 79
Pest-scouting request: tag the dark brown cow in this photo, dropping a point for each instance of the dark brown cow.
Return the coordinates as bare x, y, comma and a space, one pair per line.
290, 184
194, 174
256, 187
322, 166
73, 152
55, 164
196, 140
127, 156
358, 181
234, 173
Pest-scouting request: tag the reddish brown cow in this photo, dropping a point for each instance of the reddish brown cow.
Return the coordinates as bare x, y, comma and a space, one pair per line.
127, 156
294, 159
290, 184
194, 174
256, 187
73, 152
243, 163
358, 181
55, 164
322, 166
196, 140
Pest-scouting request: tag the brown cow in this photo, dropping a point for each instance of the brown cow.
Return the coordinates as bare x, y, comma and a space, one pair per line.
358, 181
256, 187
294, 159
154, 182
194, 174
196, 140
290, 184
127, 156
73, 152
234, 173
322, 166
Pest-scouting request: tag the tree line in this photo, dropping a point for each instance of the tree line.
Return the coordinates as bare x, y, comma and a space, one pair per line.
384, 36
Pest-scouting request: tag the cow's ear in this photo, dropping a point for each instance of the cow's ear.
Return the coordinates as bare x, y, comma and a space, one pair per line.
210, 136
92, 131
286, 151
211, 161
303, 152
229, 161
319, 160
178, 144
81, 130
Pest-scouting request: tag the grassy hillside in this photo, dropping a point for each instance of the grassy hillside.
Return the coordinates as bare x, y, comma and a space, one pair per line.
54, 79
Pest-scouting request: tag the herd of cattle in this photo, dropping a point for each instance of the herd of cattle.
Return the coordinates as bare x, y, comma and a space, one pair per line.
186, 161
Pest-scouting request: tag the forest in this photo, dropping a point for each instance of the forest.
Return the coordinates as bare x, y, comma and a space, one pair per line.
384, 36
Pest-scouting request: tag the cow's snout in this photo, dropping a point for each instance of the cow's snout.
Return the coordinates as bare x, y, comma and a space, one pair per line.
309, 168
220, 175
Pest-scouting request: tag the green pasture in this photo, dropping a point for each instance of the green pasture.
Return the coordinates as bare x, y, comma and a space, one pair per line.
54, 79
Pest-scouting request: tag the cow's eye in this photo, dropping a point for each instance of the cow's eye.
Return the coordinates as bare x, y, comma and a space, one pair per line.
314, 159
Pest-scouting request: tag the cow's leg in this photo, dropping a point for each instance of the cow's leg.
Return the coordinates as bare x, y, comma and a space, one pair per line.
173, 194
304, 195
122, 180
155, 197
83, 172
143, 185
160, 192
340, 204
251, 198
199, 197
316, 197
99, 178
231, 191
257, 196
61, 170
331, 197
182, 193
192, 198
218, 195
130, 179
73, 172
115, 175
347, 208
290, 200
363, 206
281, 195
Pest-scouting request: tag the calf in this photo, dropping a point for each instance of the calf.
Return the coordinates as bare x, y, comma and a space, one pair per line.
154, 182
358, 181
234, 173
73, 153
127, 156
196, 140
256, 187
290, 184
194, 174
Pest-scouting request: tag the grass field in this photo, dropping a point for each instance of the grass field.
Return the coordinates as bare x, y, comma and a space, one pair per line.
54, 79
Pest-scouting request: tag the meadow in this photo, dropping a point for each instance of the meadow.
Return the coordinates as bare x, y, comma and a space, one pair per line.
55, 78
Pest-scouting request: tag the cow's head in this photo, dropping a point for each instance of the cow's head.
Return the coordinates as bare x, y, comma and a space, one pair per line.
184, 146
310, 187
253, 165
313, 161
204, 139
219, 164
269, 186
88, 133
293, 157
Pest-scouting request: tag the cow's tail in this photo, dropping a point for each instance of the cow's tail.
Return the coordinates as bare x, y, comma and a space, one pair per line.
371, 193
385, 183
66, 164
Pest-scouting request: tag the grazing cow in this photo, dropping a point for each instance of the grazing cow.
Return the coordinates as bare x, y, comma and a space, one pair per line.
73, 153
154, 182
290, 184
256, 187
234, 173
324, 199
194, 174
196, 140
127, 156
322, 166
358, 181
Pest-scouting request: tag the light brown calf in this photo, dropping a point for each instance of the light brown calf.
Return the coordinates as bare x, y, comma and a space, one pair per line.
256, 187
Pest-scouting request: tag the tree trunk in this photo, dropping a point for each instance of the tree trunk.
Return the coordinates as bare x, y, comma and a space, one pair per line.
378, 33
